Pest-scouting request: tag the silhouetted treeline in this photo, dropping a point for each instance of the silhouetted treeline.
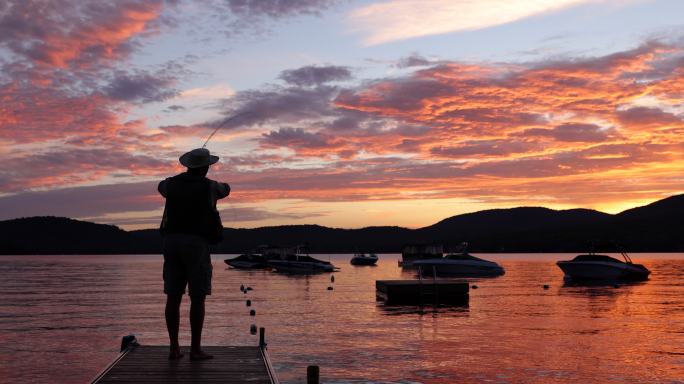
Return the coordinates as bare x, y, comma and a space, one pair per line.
657, 227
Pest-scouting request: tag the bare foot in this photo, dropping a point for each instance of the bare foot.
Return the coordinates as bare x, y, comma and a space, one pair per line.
175, 353
200, 355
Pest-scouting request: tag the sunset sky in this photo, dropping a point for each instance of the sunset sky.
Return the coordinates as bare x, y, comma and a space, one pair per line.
352, 113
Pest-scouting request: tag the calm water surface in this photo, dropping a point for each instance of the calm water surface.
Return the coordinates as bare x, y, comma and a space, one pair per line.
62, 317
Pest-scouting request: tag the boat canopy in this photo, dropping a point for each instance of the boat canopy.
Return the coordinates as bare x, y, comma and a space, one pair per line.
597, 258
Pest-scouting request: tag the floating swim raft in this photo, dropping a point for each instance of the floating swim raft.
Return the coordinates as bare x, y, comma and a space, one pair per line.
422, 292
150, 364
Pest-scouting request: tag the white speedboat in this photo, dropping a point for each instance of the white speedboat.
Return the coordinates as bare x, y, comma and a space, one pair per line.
363, 259
460, 264
602, 267
300, 263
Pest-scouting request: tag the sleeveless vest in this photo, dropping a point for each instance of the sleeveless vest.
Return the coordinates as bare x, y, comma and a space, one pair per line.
190, 209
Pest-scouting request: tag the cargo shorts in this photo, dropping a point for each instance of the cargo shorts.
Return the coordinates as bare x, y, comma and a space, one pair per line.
186, 262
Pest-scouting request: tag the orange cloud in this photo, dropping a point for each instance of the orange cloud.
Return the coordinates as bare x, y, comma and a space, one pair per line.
563, 99
66, 33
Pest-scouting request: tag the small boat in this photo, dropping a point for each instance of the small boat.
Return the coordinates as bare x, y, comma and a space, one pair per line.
460, 264
363, 259
300, 262
601, 267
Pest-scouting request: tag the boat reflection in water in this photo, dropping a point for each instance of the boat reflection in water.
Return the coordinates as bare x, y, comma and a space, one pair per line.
592, 267
461, 264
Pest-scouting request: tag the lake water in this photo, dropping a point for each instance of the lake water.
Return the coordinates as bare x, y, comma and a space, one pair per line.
62, 318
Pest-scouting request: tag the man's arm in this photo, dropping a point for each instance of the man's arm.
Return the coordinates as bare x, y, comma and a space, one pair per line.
221, 190
162, 187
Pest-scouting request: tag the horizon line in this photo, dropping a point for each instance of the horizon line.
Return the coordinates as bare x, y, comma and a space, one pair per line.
357, 228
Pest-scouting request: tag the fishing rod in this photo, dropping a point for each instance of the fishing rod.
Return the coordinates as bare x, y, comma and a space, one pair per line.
222, 125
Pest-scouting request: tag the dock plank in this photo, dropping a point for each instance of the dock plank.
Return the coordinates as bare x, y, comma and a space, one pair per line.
150, 364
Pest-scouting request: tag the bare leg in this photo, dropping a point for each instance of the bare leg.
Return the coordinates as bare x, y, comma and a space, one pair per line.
196, 324
172, 313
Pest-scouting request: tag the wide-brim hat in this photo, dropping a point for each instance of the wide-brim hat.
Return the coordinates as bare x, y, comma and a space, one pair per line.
198, 158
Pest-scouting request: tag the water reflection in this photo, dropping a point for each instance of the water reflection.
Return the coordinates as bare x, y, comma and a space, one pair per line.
598, 288
433, 310
64, 316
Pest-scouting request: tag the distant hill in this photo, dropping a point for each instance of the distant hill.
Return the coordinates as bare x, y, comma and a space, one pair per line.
59, 235
528, 229
656, 227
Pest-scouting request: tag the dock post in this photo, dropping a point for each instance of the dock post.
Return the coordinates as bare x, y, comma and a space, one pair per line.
420, 286
262, 337
128, 341
434, 280
313, 374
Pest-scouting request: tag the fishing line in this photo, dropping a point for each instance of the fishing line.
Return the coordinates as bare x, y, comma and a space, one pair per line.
223, 124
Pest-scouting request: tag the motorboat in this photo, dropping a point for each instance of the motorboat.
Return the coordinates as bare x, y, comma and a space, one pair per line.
460, 264
255, 259
363, 259
248, 261
300, 262
601, 267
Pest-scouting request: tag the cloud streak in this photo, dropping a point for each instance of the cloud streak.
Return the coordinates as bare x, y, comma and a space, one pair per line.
141, 86
315, 75
276, 8
391, 21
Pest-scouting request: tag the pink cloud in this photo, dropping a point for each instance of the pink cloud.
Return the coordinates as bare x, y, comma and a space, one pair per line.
67, 33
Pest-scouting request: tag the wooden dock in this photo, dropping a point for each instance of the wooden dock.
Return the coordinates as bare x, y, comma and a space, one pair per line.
150, 364
422, 292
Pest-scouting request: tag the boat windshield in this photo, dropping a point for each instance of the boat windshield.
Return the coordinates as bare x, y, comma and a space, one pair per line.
597, 258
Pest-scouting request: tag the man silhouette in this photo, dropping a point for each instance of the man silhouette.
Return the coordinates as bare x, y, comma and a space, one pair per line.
190, 223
